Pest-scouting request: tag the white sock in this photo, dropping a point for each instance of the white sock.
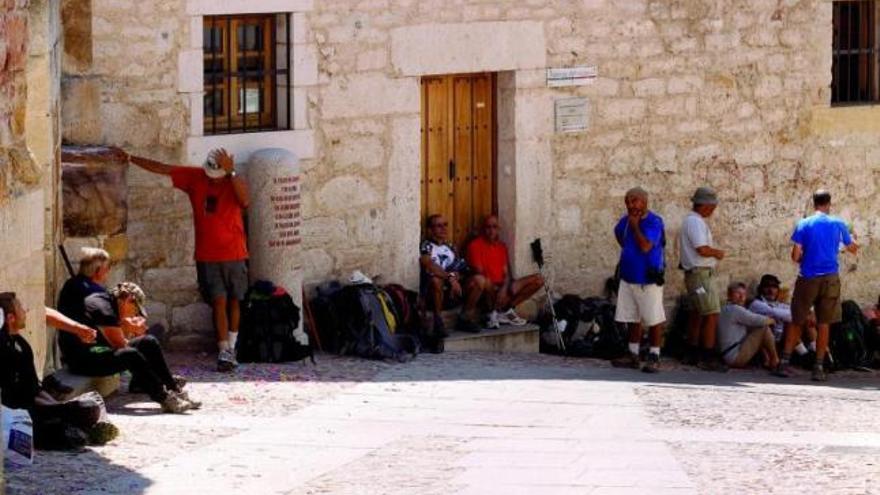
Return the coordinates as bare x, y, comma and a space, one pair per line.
813, 346
233, 338
634, 348
654, 350
800, 349
223, 345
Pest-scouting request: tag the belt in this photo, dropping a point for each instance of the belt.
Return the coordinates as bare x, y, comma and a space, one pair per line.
700, 269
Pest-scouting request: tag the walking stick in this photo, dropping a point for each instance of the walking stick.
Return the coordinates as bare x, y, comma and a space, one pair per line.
66, 260
538, 258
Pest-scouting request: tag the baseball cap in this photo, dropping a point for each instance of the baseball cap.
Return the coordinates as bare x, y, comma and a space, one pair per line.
135, 292
704, 196
212, 168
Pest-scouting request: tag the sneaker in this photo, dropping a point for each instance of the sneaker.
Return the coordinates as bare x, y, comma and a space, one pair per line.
652, 364
196, 404
628, 361
492, 320
174, 404
102, 433
510, 317
819, 374
179, 381
226, 361
781, 370
466, 325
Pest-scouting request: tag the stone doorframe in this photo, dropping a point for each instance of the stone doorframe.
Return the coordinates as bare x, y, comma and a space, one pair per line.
517, 52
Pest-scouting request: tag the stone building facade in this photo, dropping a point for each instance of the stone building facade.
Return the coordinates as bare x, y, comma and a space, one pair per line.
680, 93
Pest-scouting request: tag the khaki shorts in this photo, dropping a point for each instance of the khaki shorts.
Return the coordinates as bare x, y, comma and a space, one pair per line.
640, 304
748, 348
703, 297
820, 293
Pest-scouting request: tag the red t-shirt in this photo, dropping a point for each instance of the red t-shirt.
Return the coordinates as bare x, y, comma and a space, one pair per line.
217, 215
488, 258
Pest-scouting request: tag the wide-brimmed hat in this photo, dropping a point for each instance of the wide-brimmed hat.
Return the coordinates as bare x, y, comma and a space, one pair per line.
136, 294
704, 196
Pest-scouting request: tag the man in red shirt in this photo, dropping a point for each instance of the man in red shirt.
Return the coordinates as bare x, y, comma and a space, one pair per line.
217, 196
488, 259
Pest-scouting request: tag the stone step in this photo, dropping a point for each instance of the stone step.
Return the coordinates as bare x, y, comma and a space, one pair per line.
502, 340
104, 385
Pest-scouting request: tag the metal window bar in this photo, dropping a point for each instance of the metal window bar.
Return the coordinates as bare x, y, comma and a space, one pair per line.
221, 80
854, 53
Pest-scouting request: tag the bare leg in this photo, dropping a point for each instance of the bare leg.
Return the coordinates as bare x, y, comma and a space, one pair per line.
436, 294
221, 321
635, 332
234, 314
768, 345
655, 334
792, 337
695, 321
524, 288
822, 341
473, 291
708, 331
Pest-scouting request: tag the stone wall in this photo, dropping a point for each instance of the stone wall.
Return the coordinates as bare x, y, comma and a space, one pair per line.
689, 92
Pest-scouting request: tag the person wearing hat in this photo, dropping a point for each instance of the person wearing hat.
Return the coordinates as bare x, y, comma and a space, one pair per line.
218, 197
767, 302
816, 241
698, 260
122, 344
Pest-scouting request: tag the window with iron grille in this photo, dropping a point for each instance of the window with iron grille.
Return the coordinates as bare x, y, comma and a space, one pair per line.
854, 53
247, 73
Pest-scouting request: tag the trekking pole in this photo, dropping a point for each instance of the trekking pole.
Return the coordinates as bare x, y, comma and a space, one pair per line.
66, 260
538, 258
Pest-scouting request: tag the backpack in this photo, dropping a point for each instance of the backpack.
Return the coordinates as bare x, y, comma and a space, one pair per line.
368, 325
590, 329
269, 327
411, 321
675, 338
18, 377
326, 317
848, 338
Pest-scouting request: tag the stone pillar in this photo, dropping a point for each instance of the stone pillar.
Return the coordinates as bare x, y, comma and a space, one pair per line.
274, 219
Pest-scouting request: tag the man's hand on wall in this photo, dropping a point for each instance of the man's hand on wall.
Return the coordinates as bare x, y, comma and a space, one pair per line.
225, 160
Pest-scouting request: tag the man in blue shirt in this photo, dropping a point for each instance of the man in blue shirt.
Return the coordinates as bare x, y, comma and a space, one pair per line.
817, 239
641, 237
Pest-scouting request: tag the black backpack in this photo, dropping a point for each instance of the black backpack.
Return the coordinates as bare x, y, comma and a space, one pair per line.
368, 325
18, 377
269, 327
590, 329
327, 318
848, 346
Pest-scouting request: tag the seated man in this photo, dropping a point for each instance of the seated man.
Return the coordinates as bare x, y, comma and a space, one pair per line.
56, 425
487, 258
441, 274
742, 333
118, 315
768, 304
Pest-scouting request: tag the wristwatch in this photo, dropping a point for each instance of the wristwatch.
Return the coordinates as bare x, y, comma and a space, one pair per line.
232, 174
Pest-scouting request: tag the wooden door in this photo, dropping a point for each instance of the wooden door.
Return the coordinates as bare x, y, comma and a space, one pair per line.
458, 151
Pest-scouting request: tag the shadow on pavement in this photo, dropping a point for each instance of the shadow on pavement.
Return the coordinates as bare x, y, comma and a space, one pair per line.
71, 473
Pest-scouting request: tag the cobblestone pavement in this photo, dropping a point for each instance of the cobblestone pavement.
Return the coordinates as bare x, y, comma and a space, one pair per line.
480, 424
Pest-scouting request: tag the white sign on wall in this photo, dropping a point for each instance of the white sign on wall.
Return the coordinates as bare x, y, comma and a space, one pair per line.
572, 114
571, 76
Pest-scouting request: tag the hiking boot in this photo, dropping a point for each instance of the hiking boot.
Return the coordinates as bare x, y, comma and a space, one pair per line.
652, 364
439, 327
54, 387
174, 404
102, 433
467, 325
819, 374
510, 317
492, 321
226, 361
628, 361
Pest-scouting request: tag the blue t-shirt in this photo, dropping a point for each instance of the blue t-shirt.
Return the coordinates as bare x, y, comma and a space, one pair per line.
634, 263
820, 236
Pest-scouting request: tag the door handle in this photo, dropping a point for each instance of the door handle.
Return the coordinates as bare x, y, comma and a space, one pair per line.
451, 170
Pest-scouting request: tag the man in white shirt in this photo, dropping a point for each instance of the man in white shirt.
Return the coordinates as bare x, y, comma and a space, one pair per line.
698, 260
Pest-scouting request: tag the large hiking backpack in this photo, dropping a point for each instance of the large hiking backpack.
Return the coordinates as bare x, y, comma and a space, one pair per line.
270, 330
327, 318
675, 338
369, 325
590, 329
848, 338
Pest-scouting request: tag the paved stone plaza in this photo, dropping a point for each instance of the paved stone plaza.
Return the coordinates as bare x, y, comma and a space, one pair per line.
482, 424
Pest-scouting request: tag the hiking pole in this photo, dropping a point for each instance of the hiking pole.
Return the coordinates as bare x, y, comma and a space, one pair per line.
66, 260
538, 258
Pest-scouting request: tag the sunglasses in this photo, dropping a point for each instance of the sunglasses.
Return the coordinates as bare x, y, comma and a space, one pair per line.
444, 224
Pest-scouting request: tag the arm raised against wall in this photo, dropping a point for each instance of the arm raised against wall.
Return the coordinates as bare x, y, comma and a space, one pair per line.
144, 163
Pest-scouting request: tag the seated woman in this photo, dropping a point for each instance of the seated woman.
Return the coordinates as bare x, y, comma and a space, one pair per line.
57, 425
121, 344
